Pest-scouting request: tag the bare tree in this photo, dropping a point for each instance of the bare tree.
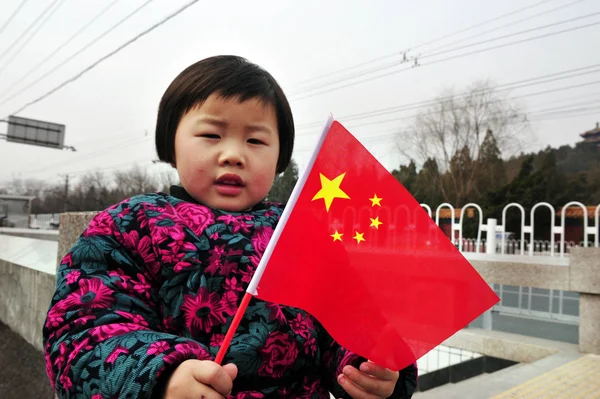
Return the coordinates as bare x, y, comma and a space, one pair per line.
134, 181
33, 187
452, 131
165, 178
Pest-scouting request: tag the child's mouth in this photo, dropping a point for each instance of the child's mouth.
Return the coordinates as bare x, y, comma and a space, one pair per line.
229, 184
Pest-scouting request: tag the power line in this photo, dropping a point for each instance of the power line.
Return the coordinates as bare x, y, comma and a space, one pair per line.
514, 98
430, 54
566, 109
105, 139
378, 136
414, 116
403, 52
447, 59
112, 167
561, 107
511, 35
562, 116
570, 73
59, 48
485, 22
81, 50
39, 27
27, 30
507, 25
13, 15
107, 56
92, 155
518, 42
427, 55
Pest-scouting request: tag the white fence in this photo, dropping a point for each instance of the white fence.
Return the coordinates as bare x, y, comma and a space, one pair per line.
555, 246
44, 221
513, 246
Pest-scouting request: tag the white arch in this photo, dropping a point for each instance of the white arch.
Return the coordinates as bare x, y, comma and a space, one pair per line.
597, 219
462, 214
562, 220
427, 208
437, 218
552, 223
513, 204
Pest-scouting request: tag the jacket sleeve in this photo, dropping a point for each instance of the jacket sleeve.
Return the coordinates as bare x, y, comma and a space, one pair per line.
335, 358
104, 336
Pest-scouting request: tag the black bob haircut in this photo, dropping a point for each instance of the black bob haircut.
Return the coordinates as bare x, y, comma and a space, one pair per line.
228, 76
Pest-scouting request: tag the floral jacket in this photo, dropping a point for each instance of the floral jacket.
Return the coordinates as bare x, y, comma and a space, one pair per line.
156, 280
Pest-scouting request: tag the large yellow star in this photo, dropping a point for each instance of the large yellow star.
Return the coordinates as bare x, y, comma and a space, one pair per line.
337, 236
359, 237
375, 200
330, 189
375, 222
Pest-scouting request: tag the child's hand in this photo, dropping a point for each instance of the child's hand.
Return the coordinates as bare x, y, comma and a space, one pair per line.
195, 379
371, 381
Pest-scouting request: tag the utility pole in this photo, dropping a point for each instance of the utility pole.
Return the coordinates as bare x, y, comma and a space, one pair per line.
65, 201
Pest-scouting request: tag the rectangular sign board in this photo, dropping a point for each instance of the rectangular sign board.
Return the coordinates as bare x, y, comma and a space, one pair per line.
31, 131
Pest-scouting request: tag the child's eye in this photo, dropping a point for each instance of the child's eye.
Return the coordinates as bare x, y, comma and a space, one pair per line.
255, 141
210, 136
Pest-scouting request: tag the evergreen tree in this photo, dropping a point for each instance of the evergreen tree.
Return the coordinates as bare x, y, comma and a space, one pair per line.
284, 184
492, 173
406, 175
426, 187
461, 188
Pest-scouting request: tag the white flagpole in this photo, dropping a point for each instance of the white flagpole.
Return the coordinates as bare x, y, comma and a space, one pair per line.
252, 287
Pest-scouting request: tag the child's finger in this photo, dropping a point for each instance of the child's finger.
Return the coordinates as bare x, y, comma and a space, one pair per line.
212, 374
378, 371
354, 390
369, 384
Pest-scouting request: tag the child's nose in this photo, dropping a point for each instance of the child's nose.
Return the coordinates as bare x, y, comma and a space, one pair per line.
232, 157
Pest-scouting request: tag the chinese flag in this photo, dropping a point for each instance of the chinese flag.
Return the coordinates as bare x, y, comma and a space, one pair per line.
359, 253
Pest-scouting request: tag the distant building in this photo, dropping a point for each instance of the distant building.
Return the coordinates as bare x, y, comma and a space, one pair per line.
15, 210
592, 136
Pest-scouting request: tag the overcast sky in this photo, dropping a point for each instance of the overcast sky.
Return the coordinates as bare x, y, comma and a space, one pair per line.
108, 111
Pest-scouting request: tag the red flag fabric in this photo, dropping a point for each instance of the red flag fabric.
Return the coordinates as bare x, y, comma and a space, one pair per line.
360, 254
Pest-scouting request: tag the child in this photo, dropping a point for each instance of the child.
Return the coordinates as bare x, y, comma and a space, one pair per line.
145, 296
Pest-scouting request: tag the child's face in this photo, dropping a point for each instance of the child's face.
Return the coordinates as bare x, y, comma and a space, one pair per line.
226, 152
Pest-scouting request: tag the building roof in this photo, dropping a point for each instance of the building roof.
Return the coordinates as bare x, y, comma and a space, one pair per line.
576, 212
17, 197
572, 212
592, 135
446, 213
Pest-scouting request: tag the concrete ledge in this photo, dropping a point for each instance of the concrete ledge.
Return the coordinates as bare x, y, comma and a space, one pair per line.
25, 296
50, 235
71, 227
508, 346
524, 274
584, 270
29, 252
518, 259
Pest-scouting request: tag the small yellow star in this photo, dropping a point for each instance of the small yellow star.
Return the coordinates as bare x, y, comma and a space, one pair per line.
330, 189
359, 237
375, 222
337, 236
375, 200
